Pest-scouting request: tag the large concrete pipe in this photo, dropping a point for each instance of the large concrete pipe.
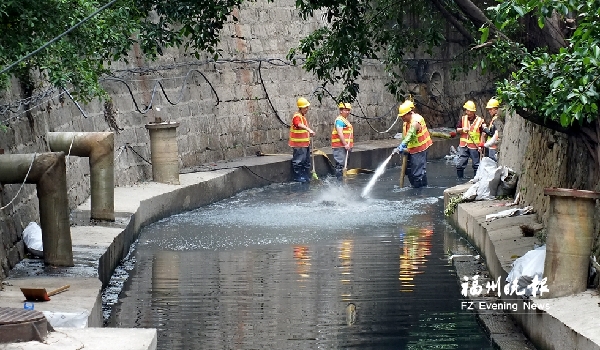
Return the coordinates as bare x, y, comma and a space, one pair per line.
48, 172
99, 147
164, 152
569, 241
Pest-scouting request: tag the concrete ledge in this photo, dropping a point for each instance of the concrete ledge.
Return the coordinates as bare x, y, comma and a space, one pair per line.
92, 339
568, 322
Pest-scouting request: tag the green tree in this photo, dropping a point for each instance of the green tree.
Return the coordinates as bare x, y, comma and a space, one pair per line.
78, 59
545, 52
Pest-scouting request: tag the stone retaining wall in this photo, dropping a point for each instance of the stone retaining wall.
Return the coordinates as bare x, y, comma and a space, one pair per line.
230, 108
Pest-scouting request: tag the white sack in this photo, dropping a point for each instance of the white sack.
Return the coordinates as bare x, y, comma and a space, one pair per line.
32, 237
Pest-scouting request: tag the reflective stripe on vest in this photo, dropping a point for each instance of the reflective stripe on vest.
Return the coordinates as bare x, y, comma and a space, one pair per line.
348, 131
423, 139
495, 145
299, 137
471, 138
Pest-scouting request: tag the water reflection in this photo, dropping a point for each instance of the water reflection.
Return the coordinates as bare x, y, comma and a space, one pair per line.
276, 268
302, 256
415, 248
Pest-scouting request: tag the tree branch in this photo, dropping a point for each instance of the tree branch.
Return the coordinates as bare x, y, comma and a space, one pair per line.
587, 131
478, 17
591, 147
450, 18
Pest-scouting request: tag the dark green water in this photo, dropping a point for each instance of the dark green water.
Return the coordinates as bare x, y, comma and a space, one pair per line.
305, 267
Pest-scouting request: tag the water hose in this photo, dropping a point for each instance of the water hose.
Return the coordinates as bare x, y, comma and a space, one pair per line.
349, 171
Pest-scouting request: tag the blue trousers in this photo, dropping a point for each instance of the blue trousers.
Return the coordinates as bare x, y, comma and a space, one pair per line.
416, 169
492, 153
301, 164
339, 155
464, 153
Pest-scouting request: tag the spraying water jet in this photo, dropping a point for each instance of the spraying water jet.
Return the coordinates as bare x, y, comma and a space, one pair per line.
377, 174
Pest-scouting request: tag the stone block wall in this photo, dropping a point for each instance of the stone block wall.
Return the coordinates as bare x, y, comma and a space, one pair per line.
544, 158
227, 109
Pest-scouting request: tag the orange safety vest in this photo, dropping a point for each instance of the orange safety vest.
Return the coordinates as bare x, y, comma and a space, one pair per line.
471, 138
299, 137
348, 132
494, 146
423, 139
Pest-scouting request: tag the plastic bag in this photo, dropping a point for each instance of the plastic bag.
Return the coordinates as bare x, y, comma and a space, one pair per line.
508, 183
531, 264
32, 237
67, 319
486, 181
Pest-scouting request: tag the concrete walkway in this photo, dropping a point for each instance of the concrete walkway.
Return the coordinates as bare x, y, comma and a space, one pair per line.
569, 322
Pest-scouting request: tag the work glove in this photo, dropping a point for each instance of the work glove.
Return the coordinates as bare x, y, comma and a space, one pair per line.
452, 134
401, 148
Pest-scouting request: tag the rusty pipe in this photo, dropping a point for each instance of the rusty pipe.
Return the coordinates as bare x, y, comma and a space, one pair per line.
48, 172
99, 147
570, 239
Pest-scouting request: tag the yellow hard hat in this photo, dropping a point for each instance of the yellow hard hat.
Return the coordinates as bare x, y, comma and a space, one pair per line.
302, 102
470, 106
344, 105
493, 103
405, 107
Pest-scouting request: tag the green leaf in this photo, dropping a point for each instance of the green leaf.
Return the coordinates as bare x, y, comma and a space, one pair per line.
519, 10
485, 32
565, 120
541, 22
556, 83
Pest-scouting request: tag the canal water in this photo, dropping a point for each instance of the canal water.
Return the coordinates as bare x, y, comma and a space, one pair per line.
294, 266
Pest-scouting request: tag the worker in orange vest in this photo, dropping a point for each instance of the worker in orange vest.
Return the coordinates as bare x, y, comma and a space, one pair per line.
492, 132
469, 128
415, 140
342, 138
300, 134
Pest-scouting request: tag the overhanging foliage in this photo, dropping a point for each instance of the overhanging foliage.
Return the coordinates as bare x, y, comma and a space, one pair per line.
79, 58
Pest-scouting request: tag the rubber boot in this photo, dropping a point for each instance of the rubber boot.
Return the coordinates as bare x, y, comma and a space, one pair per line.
298, 176
460, 173
418, 183
306, 175
339, 172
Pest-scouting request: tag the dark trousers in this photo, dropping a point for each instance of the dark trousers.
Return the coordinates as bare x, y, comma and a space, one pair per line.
339, 155
301, 164
416, 169
491, 153
464, 153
